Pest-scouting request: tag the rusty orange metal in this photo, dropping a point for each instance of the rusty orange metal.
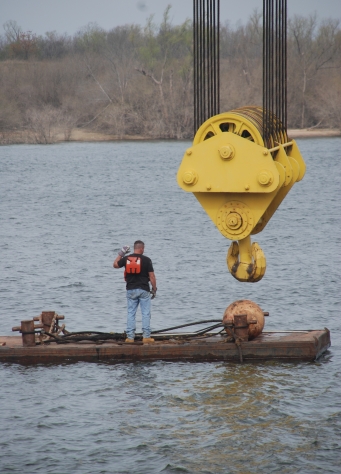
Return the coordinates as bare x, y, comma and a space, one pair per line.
255, 316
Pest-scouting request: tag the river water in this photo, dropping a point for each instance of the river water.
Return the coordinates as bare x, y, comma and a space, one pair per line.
65, 210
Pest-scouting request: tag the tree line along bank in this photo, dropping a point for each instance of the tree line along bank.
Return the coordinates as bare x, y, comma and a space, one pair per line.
135, 81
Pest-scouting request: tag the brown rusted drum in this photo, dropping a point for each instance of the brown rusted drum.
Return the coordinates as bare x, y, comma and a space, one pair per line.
255, 316
241, 328
28, 336
47, 318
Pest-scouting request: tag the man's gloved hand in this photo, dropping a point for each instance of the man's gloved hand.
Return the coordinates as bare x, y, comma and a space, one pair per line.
125, 249
153, 292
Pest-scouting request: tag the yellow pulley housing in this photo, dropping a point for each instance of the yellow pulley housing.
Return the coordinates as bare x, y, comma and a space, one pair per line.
240, 181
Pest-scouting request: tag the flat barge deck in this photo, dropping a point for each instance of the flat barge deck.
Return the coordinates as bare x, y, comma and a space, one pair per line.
306, 345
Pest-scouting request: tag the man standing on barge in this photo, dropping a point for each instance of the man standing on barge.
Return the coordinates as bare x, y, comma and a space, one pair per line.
138, 273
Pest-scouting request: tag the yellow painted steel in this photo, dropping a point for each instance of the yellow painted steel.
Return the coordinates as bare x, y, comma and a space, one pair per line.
240, 182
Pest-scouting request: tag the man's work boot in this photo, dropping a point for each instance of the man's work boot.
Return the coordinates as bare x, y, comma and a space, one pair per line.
147, 340
129, 340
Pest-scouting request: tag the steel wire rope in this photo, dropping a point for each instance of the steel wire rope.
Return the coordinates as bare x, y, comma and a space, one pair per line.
206, 69
274, 72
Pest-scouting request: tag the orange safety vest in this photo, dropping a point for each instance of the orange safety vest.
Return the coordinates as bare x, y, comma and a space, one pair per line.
133, 265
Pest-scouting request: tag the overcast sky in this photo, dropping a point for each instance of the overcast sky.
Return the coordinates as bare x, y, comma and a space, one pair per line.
68, 16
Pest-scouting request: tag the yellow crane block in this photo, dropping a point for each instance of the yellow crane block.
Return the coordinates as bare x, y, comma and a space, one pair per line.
240, 182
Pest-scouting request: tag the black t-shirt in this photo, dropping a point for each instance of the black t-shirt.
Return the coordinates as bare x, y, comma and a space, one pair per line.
138, 280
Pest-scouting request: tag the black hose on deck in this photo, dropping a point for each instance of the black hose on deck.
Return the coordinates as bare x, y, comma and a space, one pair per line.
188, 324
97, 336
203, 331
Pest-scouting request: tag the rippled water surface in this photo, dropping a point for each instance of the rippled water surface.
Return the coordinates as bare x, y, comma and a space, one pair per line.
65, 210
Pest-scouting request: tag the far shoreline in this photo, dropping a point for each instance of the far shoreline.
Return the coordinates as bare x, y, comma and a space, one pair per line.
28, 137
314, 133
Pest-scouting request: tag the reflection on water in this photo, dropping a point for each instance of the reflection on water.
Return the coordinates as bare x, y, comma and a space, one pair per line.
65, 210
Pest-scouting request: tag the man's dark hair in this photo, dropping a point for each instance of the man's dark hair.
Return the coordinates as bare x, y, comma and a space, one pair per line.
138, 244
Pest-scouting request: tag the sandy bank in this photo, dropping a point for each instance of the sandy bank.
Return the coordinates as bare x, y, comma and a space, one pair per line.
314, 133
83, 135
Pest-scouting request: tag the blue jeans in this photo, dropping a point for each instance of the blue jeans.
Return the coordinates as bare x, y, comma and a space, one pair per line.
134, 298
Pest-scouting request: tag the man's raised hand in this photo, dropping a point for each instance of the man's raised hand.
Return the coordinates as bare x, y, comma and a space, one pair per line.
125, 249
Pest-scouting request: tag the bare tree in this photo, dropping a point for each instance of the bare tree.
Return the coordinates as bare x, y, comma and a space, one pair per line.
12, 31
312, 48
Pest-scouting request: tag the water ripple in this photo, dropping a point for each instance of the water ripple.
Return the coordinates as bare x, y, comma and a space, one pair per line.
65, 210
